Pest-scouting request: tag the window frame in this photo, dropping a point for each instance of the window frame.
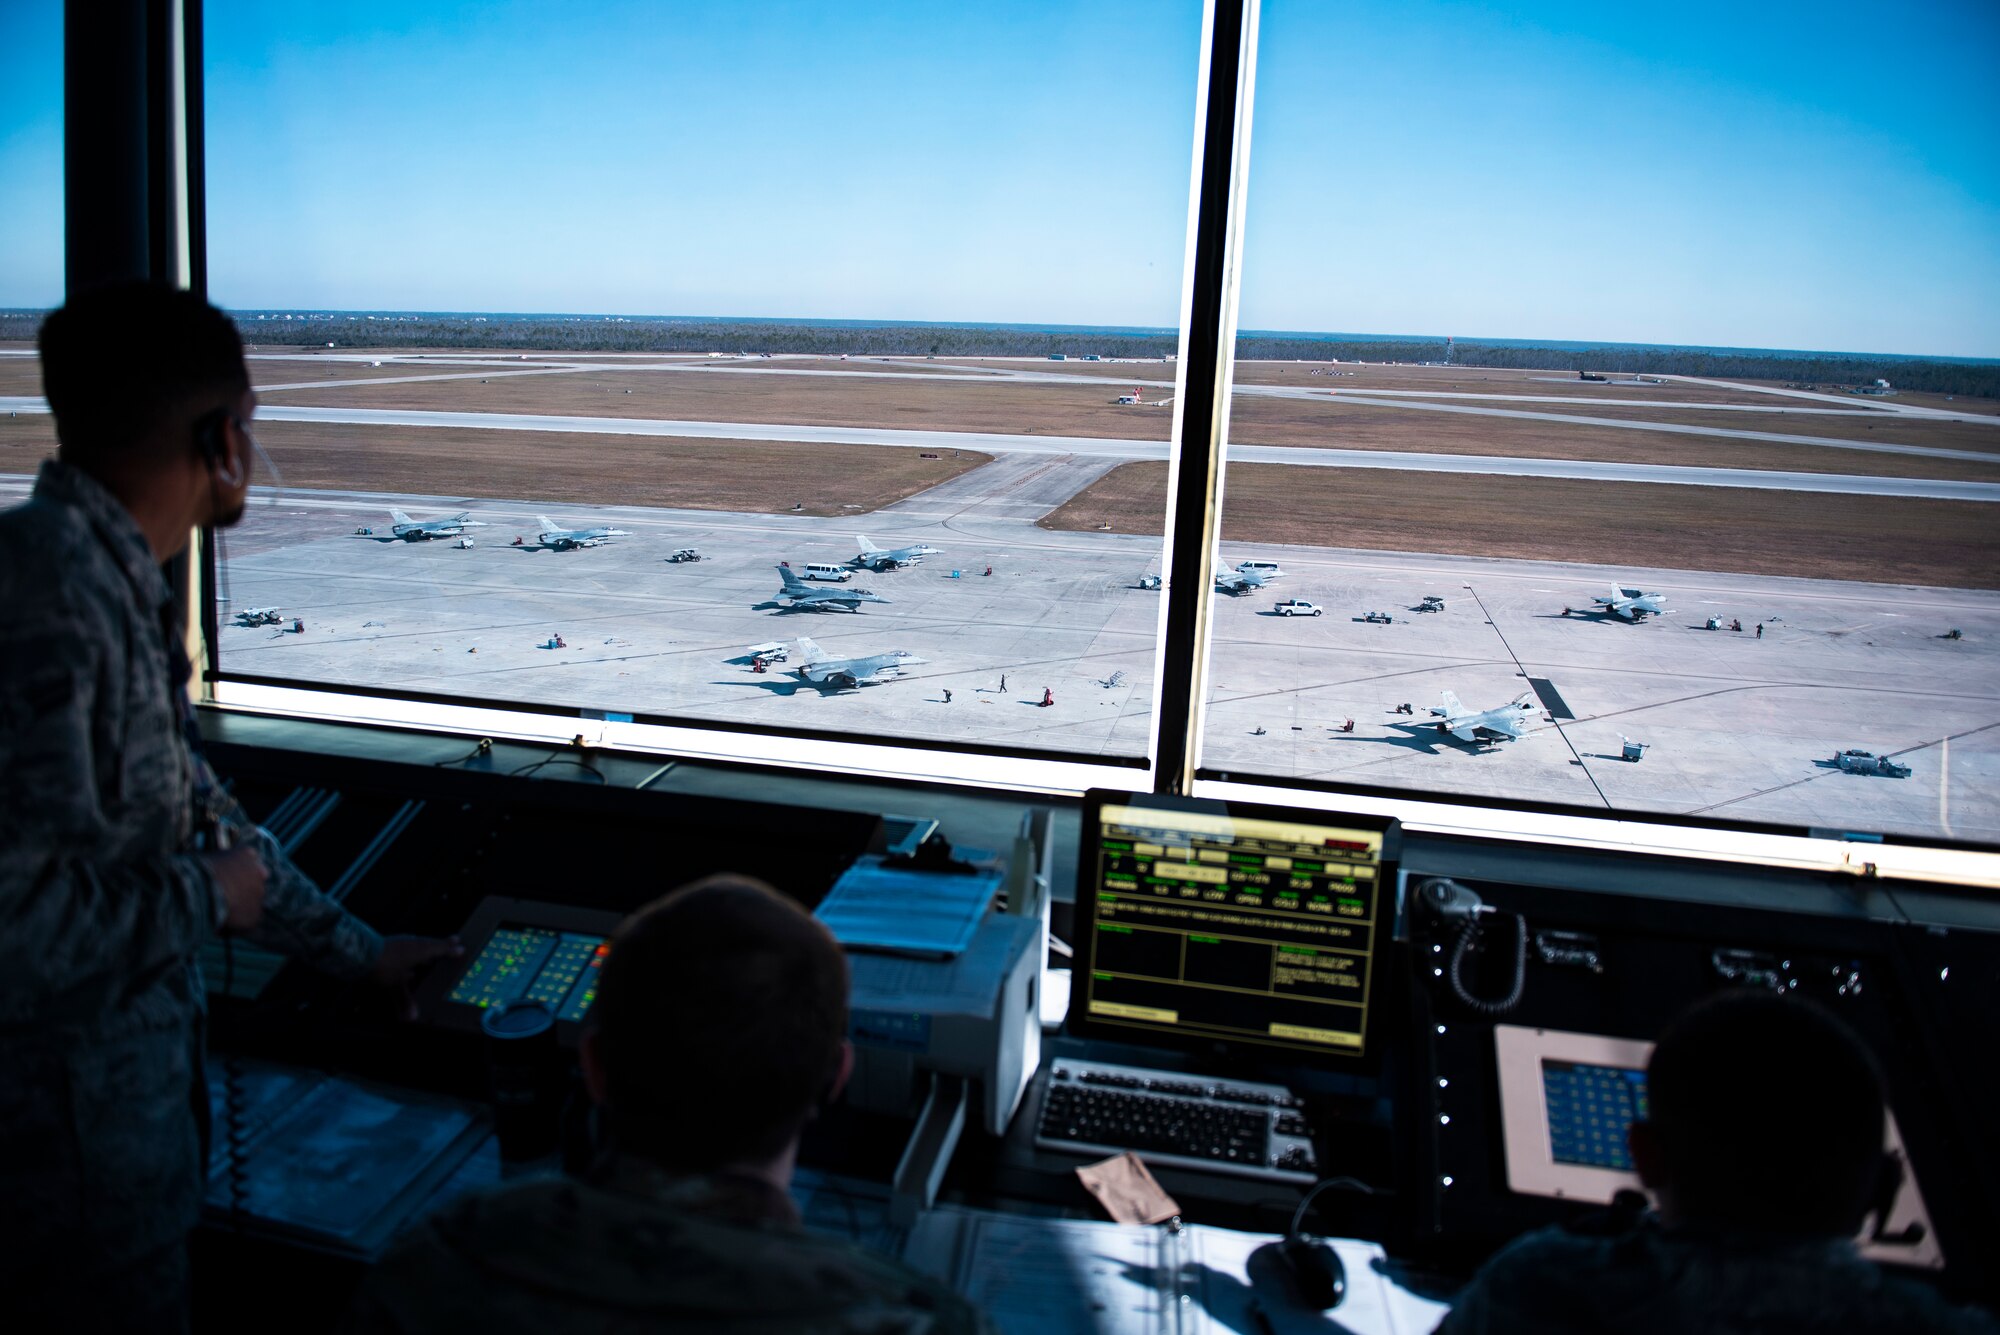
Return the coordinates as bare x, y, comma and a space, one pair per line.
1225, 96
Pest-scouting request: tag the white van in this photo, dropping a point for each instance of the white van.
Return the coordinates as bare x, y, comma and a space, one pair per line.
1268, 569
838, 574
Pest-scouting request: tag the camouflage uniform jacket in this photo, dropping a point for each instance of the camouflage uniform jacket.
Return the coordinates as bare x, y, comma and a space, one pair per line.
102, 905
634, 1249
1654, 1280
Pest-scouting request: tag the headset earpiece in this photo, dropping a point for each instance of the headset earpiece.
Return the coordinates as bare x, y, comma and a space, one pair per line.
208, 435
214, 449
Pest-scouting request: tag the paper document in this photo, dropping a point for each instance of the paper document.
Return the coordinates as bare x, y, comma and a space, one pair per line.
1039, 1276
966, 984
925, 913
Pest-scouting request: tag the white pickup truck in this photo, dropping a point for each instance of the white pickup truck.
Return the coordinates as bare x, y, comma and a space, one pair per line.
1297, 607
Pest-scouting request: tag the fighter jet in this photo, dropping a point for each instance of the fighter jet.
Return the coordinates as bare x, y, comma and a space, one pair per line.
1237, 582
822, 669
1474, 725
563, 539
878, 559
1632, 604
259, 616
804, 597
412, 530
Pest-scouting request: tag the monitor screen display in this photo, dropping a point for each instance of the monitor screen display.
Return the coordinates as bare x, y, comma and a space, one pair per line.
1590, 1109
1210, 923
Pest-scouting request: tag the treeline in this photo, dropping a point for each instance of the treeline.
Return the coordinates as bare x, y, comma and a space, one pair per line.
1974, 379
585, 334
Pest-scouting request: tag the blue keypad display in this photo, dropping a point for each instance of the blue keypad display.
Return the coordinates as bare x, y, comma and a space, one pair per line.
1589, 1109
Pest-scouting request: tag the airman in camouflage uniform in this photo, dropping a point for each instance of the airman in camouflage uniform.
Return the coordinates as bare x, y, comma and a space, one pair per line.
636, 1249
104, 899
1761, 1136
718, 1032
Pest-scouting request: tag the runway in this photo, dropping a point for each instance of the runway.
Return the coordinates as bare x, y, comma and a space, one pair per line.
1127, 450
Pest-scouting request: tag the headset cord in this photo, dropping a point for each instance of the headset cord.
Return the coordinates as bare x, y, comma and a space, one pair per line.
1468, 932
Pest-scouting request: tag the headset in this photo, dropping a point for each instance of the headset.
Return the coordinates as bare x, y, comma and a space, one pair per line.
214, 450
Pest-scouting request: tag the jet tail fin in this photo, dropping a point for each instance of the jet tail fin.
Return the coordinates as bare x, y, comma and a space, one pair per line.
809, 652
867, 547
1451, 705
400, 517
548, 525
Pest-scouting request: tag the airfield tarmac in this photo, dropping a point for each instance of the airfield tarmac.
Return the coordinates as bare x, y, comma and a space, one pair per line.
1737, 727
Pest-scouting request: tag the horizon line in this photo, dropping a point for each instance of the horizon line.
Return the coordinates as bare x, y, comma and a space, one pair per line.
1159, 331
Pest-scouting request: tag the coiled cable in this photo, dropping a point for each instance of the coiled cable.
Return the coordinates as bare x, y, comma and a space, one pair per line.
1468, 933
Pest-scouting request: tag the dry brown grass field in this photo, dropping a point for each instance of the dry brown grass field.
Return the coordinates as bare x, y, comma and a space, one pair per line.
1081, 410
266, 371
738, 475
1953, 403
20, 375
1878, 540
25, 441
1366, 427
1888, 428
1142, 368
743, 476
1478, 380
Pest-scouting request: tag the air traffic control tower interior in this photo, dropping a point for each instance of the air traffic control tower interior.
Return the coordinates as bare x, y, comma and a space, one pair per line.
1426, 1031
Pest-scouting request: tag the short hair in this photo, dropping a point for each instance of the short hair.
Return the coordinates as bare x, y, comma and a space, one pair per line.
720, 1019
1768, 1112
123, 361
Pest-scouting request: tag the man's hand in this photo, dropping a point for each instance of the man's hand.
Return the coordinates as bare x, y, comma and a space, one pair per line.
240, 875
404, 957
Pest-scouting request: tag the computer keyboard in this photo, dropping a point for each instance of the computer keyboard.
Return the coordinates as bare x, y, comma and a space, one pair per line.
1224, 1126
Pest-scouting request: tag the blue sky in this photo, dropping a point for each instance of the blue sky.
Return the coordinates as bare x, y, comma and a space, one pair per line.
1804, 176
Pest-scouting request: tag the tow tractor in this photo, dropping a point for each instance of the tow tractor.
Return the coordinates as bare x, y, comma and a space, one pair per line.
1383, 617
684, 554
1867, 762
1431, 603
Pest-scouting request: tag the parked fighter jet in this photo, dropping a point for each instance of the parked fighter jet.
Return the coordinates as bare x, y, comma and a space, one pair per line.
1632, 604
1475, 725
822, 669
804, 597
259, 616
413, 530
1238, 581
563, 539
878, 559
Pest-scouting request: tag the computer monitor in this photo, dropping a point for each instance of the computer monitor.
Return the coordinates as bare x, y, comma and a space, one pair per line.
1207, 923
